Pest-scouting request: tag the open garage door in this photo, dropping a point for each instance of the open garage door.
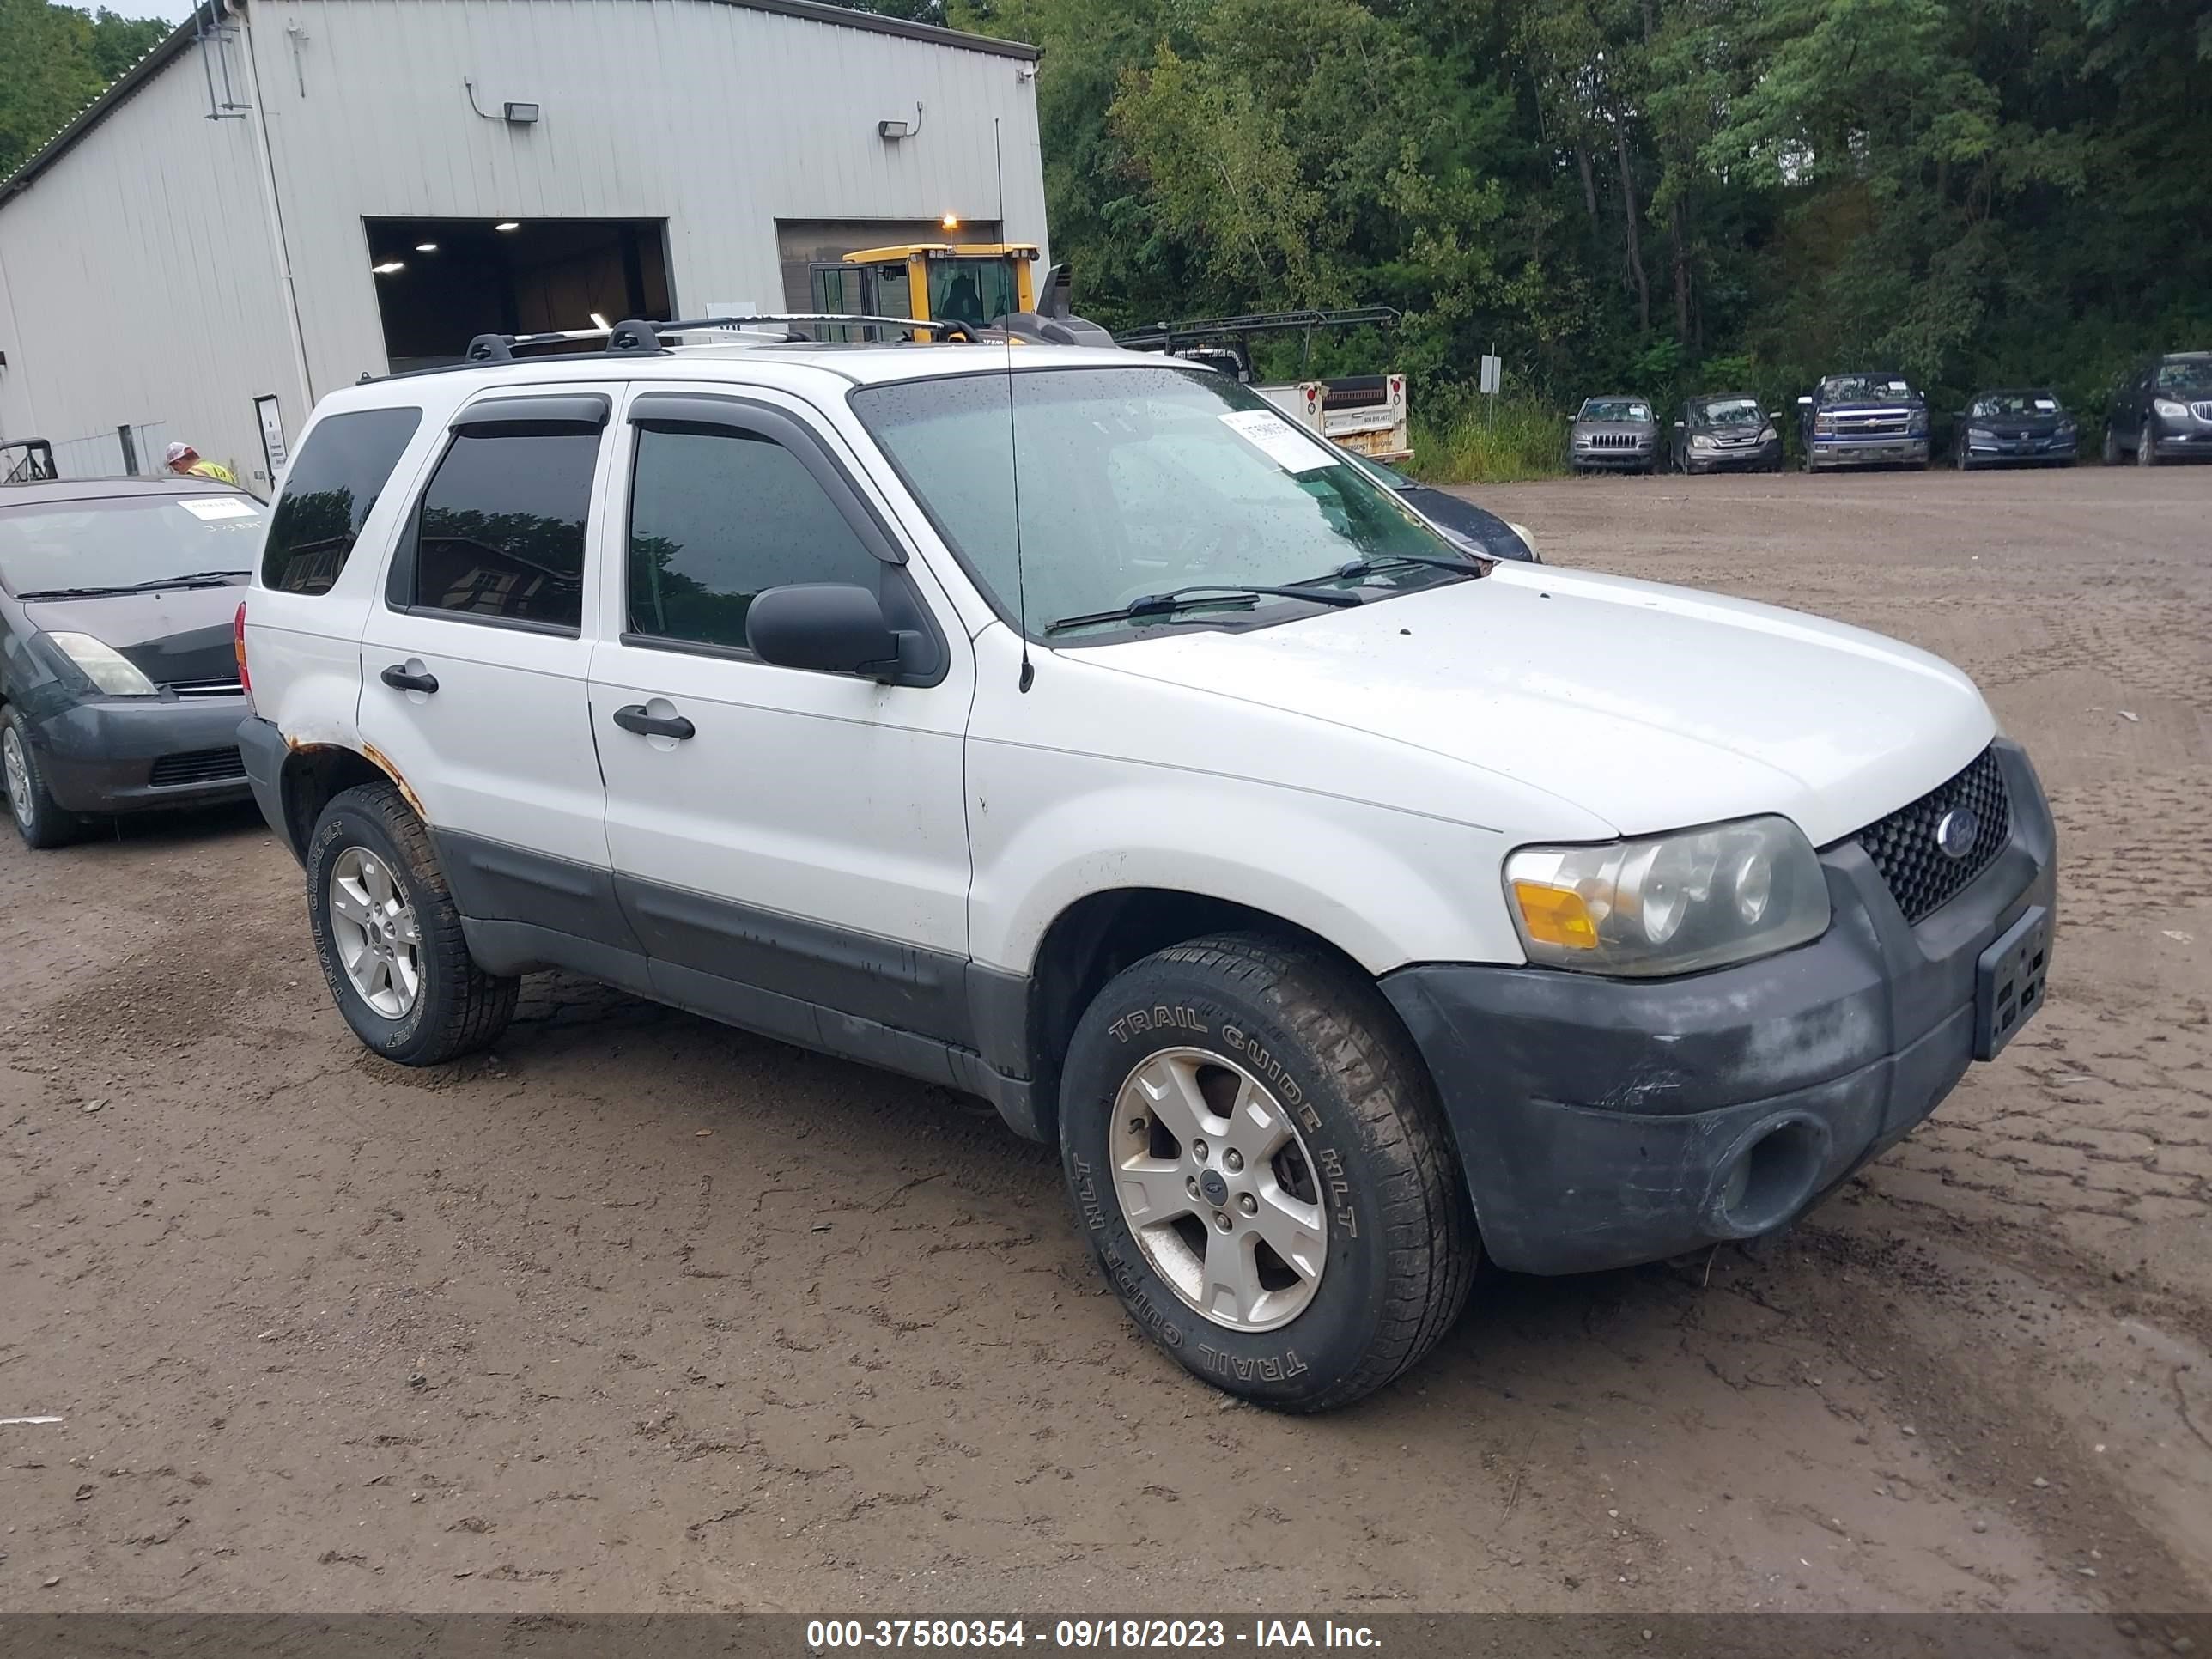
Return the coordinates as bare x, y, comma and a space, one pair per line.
442, 281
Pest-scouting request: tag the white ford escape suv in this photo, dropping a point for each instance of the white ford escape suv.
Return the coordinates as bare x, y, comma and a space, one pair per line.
1342, 905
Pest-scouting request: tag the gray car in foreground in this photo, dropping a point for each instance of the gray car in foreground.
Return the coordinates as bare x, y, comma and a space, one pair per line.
119, 678
1617, 432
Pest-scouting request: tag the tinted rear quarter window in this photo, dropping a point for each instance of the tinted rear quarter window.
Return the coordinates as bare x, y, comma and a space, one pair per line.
334, 481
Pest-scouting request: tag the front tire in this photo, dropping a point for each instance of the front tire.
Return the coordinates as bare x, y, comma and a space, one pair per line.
1258, 1159
31, 809
389, 937
2112, 445
2147, 447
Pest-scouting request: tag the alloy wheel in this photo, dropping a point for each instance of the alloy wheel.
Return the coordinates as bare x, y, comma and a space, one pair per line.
17, 772
373, 930
1217, 1187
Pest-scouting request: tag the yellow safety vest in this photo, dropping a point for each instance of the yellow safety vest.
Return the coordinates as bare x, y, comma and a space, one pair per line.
211, 470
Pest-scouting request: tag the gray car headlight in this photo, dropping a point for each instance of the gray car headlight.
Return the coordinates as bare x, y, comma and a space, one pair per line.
103, 664
1699, 441
1668, 904
1767, 434
1982, 433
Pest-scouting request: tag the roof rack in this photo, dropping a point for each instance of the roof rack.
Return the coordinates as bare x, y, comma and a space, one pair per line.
637, 336
1165, 337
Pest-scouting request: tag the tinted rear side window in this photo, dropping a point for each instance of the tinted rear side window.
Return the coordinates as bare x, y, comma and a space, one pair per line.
500, 533
334, 481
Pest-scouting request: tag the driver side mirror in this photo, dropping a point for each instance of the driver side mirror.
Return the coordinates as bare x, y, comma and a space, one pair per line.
1773, 413
1678, 426
830, 628
1804, 402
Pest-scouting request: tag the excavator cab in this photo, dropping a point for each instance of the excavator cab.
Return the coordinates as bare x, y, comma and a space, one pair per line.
974, 283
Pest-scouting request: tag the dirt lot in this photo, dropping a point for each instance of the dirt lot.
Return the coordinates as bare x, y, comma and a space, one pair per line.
645, 1313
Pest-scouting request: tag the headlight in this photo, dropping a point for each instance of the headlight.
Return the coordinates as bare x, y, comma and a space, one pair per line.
2066, 428
1701, 441
1767, 434
102, 664
1668, 904
2171, 410
1983, 433
1917, 425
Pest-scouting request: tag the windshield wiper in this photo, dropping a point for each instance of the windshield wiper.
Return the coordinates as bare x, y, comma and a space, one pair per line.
198, 579
1360, 569
1196, 595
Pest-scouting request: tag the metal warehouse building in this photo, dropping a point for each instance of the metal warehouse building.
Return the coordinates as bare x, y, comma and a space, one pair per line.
288, 194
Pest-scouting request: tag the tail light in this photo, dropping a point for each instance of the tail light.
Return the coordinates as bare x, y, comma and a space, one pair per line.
238, 650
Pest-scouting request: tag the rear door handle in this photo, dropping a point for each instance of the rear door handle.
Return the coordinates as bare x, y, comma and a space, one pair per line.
399, 679
634, 718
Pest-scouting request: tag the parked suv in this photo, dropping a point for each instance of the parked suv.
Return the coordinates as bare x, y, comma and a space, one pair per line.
1344, 906
1726, 433
1615, 433
1863, 419
2162, 411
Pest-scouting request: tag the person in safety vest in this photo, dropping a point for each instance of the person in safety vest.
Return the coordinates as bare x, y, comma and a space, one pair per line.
185, 461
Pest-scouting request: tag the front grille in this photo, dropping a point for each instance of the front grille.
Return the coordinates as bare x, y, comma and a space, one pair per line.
1614, 440
197, 766
2202, 411
207, 688
1921, 876
1873, 426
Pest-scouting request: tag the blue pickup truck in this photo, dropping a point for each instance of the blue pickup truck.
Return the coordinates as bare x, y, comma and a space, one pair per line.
1865, 419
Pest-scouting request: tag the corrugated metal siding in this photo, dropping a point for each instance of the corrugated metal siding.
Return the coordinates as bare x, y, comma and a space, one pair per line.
141, 287
718, 119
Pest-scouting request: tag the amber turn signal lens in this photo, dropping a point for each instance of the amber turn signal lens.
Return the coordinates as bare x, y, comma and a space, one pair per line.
1555, 916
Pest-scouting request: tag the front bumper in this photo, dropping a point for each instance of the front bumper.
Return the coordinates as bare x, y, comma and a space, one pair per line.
1743, 457
2023, 449
1603, 1123
1635, 459
141, 754
2185, 437
1869, 451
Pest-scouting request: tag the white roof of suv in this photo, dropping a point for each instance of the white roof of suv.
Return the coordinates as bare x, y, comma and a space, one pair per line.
769, 362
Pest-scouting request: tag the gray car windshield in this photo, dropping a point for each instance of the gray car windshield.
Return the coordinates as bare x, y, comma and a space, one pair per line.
124, 541
1137, 482
2191, 378
1616, 409
1729, 411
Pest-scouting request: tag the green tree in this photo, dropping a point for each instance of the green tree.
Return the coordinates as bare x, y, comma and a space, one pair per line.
55, 61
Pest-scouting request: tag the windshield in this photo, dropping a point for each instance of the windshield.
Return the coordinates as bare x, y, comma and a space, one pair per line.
1137, 481
975, 291
1616, 409
1727, 411
121, 541
2191, 378
2012, 405
1867, 389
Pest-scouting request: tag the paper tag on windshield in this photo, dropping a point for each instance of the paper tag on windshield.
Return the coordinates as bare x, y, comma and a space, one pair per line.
1278, 440
2047, 403
216, 507
1899, 386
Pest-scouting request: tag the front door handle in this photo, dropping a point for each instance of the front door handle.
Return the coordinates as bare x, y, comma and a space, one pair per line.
634, 718
399, 679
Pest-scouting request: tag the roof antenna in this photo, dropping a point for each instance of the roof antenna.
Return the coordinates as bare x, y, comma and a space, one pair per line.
1013, 443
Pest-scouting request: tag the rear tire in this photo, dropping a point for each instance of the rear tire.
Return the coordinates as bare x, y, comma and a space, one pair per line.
1238, 1041
41, 822
389, 937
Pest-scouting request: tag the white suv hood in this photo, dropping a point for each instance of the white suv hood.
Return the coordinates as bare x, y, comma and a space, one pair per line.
1652, 707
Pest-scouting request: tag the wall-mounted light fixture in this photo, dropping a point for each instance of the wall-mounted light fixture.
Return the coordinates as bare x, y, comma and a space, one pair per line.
506, 224
515, 114
894, 130
389, 267
426, 247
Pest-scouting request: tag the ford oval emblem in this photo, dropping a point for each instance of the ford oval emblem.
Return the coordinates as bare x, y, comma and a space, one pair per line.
1955, 832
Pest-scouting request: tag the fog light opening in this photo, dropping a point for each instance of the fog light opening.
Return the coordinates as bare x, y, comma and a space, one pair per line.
1770, 1178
